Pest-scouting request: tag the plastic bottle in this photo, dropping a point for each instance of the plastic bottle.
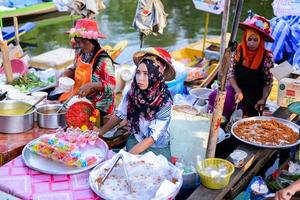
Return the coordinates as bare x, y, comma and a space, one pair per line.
215, 85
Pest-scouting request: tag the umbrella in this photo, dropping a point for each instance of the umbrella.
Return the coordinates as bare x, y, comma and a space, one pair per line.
150, 18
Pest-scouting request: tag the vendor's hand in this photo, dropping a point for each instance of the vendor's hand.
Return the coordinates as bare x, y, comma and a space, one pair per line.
86, 90
284, 194
260, 105
238, 96
68, 73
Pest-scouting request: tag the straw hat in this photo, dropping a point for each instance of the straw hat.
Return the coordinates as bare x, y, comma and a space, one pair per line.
161, 53
260, 24
86, 28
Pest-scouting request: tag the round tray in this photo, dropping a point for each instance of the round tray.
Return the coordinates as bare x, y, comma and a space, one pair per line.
291, 125
94, 187
48, 166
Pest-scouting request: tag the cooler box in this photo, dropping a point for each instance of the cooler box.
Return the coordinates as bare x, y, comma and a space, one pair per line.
288, 91
60, 58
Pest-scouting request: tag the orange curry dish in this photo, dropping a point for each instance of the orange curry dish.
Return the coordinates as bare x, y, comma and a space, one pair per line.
266, 132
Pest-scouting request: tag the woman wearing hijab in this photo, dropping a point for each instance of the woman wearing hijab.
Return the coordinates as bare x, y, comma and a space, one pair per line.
93, 72
147, 105
250, 79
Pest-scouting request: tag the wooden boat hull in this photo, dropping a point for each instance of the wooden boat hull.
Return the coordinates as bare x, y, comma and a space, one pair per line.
37, 9
192, 55
115, 51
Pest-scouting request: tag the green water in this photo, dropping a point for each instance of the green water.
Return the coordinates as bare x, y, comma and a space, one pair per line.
185, 25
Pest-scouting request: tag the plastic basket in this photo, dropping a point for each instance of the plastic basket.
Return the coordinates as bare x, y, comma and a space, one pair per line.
215, 182
177, 86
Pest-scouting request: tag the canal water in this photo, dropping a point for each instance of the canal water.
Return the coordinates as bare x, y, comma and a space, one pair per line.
185, 25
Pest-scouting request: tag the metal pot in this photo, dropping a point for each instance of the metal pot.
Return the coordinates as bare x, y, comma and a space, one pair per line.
13, 119
48, 117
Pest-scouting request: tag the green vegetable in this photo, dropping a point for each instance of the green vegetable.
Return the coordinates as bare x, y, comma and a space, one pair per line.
27, 82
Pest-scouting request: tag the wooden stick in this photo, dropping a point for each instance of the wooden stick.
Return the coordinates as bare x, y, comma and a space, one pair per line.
6, 61
5, 57
220, 99
16, 25
205, 30
225, 18
215, 124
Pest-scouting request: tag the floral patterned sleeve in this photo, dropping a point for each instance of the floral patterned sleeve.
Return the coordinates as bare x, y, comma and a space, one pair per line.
105, 73
268, 64
231, 70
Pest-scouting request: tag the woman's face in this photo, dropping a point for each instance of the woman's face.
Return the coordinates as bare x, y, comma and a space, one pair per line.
85, 45
252, 42
142, 76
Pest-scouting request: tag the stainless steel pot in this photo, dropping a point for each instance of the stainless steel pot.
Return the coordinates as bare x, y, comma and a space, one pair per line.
48, 118
12, 119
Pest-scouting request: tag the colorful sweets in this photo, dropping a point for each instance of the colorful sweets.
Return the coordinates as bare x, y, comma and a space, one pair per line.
55, 148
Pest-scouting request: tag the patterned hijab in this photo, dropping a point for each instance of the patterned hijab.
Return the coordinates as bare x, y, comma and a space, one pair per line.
148, 102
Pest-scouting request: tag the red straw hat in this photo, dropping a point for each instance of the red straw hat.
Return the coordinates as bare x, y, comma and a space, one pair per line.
260, 24
161, 53
86, 28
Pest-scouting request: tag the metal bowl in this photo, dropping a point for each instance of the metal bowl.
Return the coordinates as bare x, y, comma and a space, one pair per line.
13, 118
48, 117
201, 94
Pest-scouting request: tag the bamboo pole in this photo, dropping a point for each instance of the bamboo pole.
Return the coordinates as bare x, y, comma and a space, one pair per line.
220, 98
5, 57
16, 26
225, 18
218, 107
205, 31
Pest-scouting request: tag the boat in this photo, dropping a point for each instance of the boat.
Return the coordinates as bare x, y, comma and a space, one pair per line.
192, 56
53, 59
8, 33
116, 50
21, 8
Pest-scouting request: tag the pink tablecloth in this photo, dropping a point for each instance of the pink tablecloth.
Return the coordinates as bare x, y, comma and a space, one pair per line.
25, 183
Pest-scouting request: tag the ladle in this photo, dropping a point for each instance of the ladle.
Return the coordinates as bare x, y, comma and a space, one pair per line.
65, 103
41, 99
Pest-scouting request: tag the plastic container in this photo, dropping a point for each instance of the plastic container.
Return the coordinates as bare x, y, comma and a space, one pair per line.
65, 83
18, 66
190, 180
215, 85
177, 86
215, 182
38, 95
238, 158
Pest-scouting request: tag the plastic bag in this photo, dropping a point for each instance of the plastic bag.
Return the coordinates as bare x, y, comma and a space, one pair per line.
257, 189
236, 115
